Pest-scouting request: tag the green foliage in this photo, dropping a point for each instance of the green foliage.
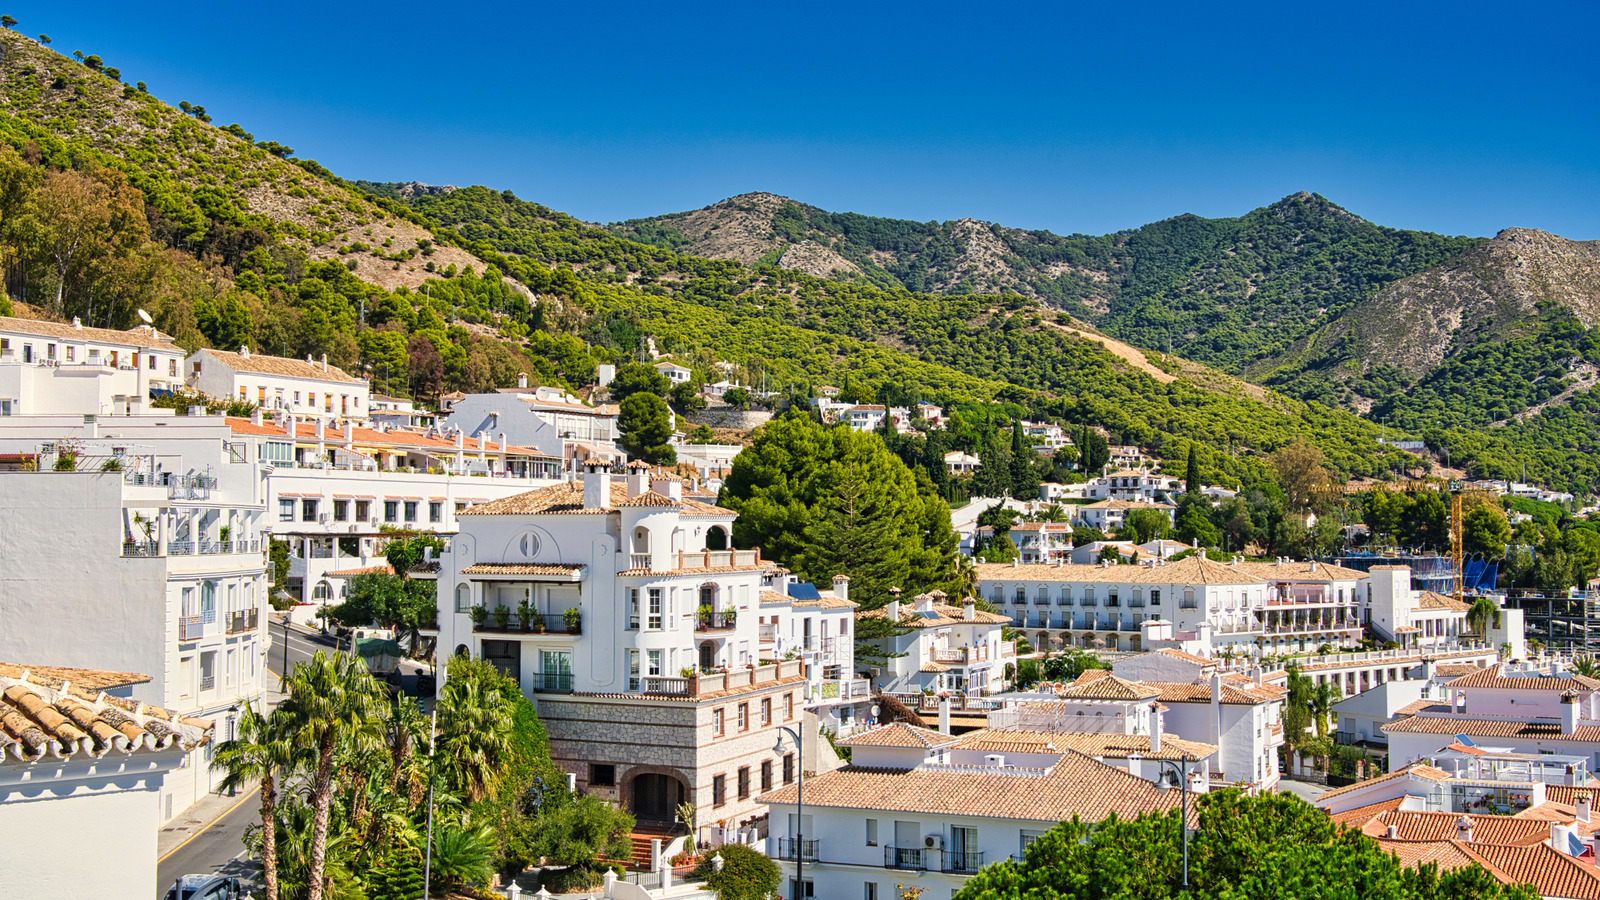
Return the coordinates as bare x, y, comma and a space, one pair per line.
645, 425
477, 707
461, 856
1245, 848
832, 501
746, 874
1069, 665
580, 831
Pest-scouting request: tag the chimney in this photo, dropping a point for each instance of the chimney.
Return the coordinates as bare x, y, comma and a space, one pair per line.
944, 715
255, 417
1258, 676
1392, 832
522, 379
77, 323
322, 428
1016, 562
841, 586
596, 484
349, 431
324, 362
502, 442
1157, 727
244, 352
1558, 838
638, 480
1583, 807
969, 611
669, 486
994, 760
893, 611
1569, 712
309, 360
1464, 829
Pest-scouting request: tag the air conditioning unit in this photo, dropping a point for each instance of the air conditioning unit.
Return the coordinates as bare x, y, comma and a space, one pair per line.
933, 842
374, 522
323, 518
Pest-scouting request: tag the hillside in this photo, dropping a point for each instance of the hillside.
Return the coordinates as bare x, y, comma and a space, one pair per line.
1225, 292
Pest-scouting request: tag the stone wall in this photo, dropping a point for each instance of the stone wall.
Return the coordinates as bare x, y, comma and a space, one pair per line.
728, 417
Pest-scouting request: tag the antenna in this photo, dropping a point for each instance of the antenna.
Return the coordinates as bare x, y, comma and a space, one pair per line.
144, 317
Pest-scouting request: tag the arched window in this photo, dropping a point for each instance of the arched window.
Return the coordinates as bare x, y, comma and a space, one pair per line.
463, 597
322, 592
641, 540
717, 538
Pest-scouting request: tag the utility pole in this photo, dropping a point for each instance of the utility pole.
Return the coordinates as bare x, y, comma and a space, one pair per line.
433, 738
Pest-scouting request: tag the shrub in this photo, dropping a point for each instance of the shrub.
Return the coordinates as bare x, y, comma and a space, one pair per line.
745, 875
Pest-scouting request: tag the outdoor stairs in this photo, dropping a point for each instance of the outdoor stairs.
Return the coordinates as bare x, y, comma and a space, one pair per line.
642, 836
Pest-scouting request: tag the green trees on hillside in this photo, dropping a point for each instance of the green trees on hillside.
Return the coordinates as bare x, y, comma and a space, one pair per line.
645, 426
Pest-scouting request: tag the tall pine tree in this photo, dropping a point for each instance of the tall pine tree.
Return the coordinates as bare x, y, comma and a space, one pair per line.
1024, 477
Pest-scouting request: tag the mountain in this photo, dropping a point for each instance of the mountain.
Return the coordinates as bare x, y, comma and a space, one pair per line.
1225, 292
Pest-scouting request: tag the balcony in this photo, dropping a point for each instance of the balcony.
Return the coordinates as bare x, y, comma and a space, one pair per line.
207, 682
536, 623
913, 859
725, 620
718, 559
191, 628
553, 682
141, 548
704, 683
243, 621
789, 848
845, 689
1041, 601
1064, 600
963, 861
961, 656
638, 560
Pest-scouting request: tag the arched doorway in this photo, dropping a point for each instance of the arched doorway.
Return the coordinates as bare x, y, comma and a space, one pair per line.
717, 538
655, 797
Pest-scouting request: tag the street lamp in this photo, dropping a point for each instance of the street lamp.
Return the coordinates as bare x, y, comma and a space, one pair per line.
233, 724
1179, 773
427, 860
800, 806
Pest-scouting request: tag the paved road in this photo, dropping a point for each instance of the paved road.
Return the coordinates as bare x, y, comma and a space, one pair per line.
1305, 790
218, 849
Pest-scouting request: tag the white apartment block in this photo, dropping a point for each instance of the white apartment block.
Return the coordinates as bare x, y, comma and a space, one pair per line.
47, 368
274, 383
945, 648
1132, 484
1044, 436
1042, 542
923, 808
619, 608
149, 557
545, 419
1110, 515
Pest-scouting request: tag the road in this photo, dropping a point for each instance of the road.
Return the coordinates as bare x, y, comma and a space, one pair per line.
1305, 790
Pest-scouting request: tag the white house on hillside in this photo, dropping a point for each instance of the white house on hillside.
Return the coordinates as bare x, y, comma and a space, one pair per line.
945, 648
47, 368
307, 388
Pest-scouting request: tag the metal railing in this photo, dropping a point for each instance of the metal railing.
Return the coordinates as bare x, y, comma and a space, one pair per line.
207, 682
180, 548
553, 682
535, 624
190, 628
789, 848
243, 621
1041, 601
141, 548
913, 858
963, 860
717, 621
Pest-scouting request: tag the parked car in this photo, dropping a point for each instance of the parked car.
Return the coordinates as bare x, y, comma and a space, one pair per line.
206, 887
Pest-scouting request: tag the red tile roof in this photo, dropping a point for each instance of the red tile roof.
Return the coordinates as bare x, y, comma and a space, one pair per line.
38, 721
900, 734
1490, 677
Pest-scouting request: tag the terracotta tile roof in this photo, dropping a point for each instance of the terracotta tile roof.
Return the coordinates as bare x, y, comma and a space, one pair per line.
1564, 813
650, 499
1435, 601
1102, 685
38, 721
933, 668
1417, 825
828, 602
1490, 677
1545, 731
772, 597
1194, 570
523, 569
1300, 570
1126, 504
1424, 771
369, 570
1188, 657
277, 365
567, 498
900, 734
1551, 872
1115, 746
1567, 794
136, 337
763, 566
1416, 706
92, 680
946, 615
1232, 692
1075, 786
1457, 669
1361, 815
1446, 855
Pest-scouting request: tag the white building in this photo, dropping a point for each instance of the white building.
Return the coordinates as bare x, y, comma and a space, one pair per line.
1133, 484
1414, 618
305, 388
619, 608
864, 416
1044, 436
1110, 515
398, 412
81, 772
548, 420
917, 807
47, 368
957, 462
945, 648
675, 373
149, 558
1042, 542
800, 621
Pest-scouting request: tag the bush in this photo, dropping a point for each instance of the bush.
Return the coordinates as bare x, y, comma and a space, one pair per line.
745, 875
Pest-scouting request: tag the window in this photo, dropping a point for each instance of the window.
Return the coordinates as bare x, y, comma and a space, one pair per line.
261, 396
766, 775
655, 609
391, 510
27, 353
1022, 595
50, 353
285, 510
341, 510
788, 768
363, 510
244, 392
296, 398
172, 364
602, 775
463, 598
654, 658
872, 832
744, 717
716, 722
308, 509
744, 782
766, 711
311, 399
872, 890
411, 510
435, 511
1027, 840
633, 670
633, 609
5, 407
719, 790
788, 706
1155, 597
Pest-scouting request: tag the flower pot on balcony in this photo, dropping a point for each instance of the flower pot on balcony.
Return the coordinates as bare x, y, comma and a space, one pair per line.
502, 617
525, 614
574, 620
479, 614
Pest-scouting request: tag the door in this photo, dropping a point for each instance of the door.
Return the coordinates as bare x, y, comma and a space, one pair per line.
656, 797
708, 656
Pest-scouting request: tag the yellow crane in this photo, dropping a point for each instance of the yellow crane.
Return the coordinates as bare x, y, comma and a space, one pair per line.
1457, 490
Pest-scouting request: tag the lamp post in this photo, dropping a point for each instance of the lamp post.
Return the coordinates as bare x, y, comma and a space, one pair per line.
427, 860
283, 671
800, 806
233, 725
1179, 771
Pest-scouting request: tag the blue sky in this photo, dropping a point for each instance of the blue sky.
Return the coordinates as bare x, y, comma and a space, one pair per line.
1462, 118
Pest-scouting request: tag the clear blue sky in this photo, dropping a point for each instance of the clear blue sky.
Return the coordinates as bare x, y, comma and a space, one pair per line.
1461, 118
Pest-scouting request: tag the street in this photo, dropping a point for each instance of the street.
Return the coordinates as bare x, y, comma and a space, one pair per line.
1305, 790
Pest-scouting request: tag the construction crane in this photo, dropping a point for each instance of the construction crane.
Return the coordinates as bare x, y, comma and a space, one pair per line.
1457, 490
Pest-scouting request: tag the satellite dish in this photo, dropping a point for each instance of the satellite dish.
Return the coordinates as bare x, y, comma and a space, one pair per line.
144, 317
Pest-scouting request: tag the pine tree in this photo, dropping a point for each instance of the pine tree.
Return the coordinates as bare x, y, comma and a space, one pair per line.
1024, 477
1192, 482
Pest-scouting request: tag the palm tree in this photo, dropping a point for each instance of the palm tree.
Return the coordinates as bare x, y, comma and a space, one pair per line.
475, 718
262, 751
1483, 612
334, 704
1586, 666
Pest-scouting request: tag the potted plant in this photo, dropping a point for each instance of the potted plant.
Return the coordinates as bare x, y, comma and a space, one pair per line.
502, 617
525, 614
479, 614
111, 465
66, 463
729, 617
703, 614
574, 619
686, 672
224, 533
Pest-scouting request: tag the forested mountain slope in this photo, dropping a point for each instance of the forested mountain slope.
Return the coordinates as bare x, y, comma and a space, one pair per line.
1226, 292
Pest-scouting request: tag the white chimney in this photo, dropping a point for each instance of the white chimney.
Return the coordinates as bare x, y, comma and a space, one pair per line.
669, 486
1583, 807
596, 484
1569, 712
502, 442
969, 611
1157, 727
1393, 832
77, 323
522, 379
1464, 829
255, 416
994, 760
244, 352
841, 586
1558, 838
944, 715
324, 362
893, 611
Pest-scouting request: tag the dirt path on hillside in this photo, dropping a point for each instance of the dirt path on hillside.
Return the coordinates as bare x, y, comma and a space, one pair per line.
1134, 356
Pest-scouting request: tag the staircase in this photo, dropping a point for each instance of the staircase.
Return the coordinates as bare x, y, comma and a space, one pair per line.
641, 837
